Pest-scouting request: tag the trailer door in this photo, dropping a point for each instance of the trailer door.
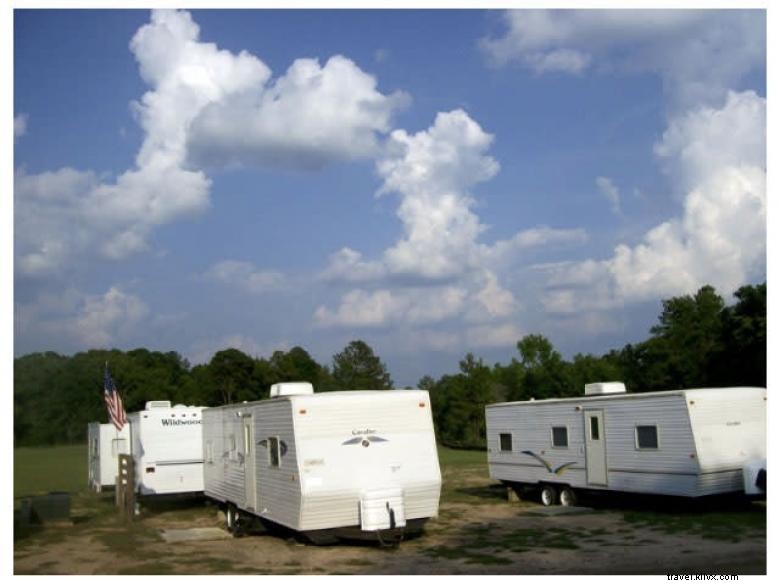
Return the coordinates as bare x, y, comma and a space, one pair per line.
250, 477
595, 447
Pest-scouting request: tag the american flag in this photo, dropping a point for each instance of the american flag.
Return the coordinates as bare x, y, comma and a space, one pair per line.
116, 410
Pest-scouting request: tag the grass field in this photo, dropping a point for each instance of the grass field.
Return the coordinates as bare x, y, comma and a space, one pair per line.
39, 470
453, 458
476, 530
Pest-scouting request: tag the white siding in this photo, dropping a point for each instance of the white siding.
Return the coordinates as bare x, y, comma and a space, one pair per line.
169, 442
729, 426
223, 470
705, 436
278, 488
530, 425
337, 473
104, 443
320, 478
670, 469
718, 482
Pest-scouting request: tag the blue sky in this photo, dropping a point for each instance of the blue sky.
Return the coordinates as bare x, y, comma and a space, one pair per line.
432, 182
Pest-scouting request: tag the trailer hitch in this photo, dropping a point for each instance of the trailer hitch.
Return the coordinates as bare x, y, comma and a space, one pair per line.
396, 534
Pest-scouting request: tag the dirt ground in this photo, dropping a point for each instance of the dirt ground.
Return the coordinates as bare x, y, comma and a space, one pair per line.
477, 532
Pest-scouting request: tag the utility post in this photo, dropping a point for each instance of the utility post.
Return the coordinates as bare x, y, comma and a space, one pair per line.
125, 487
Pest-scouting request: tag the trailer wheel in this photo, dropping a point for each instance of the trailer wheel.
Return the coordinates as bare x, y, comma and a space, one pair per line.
548, 495
231, 518
324, 537
567, 497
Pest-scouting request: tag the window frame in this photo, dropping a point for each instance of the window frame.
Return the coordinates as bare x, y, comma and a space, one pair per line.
247, 441
637, 446
274, 446
591, 418
501, 443
232, 447
552, 436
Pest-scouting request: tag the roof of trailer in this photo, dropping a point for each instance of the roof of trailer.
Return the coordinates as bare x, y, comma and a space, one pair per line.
626, 396
337, 394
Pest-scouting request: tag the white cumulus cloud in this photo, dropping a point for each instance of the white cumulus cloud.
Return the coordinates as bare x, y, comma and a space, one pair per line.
205, 105
720, 236
20, 125
102, 318
438, 269
713, 149
707, 139
610, 192
71, 318
433, 172
313, 115
493, 335
412, 306
700, 54
245, 276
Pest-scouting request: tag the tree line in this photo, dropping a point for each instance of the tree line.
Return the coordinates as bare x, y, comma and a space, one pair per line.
697, 342
56, 396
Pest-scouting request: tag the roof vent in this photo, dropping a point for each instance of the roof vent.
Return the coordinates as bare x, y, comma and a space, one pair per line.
291, 389
600, 388
158, 404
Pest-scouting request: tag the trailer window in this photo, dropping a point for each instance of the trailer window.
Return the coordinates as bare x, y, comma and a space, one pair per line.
209, 452
646, 437
233, 453
594, 428
560, 437
273, 451
247, 442
505, 441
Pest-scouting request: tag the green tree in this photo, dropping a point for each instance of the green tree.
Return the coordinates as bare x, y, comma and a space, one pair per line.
38, 381
232, 377
684, 342
478, 390
297, 365
742, 359
544, 372
356, 367
459, 402
509, 378
586, 369
426, 383
142, 375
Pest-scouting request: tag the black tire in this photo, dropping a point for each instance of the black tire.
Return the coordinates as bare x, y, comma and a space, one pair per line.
568, 497
321, 537
231, 519
414, 528
548, 496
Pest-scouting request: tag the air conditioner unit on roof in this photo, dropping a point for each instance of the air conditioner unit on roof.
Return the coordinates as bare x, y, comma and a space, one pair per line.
291, 389
605, 388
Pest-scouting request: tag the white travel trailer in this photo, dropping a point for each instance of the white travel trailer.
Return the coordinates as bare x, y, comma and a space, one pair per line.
104, 445
678, 442
352, 464
167, 447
